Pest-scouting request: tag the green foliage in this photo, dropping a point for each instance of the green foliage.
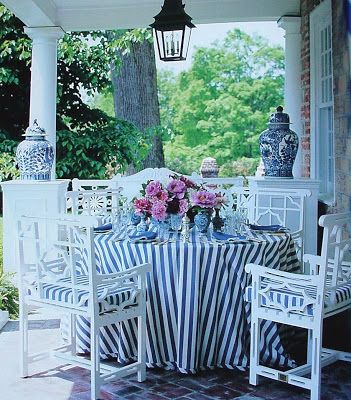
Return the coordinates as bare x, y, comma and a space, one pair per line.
84, 60
241, 167
8, 169
107, 147
8, 295
219, 107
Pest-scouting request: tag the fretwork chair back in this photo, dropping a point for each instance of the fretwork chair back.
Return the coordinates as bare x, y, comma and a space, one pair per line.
285, 207
98, 203
57, 269
304, 301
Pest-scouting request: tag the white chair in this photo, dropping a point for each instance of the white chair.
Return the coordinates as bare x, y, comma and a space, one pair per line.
304, 301
284, 207
62, 275
99, 203
93, 184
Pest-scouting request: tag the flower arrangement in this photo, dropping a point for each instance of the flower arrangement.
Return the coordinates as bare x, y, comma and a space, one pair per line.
159, 201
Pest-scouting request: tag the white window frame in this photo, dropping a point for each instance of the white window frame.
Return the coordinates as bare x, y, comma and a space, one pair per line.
321, 17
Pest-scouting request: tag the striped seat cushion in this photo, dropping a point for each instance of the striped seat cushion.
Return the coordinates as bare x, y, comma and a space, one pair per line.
295, 301
283, 298
57, 292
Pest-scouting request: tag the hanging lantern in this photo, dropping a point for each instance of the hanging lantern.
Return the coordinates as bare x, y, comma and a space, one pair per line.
173, 30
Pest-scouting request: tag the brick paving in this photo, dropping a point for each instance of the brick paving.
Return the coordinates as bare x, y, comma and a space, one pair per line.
73, 383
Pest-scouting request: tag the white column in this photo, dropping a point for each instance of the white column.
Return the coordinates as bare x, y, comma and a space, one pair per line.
43, 89
292, 89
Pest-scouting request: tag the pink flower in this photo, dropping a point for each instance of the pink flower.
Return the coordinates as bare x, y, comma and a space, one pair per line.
153, 188
188, 183
142, 206
183, 206
158, 211
162, 195
177, 187
220, 200
203, 199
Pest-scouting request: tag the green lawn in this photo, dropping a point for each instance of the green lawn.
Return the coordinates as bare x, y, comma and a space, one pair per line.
0, 245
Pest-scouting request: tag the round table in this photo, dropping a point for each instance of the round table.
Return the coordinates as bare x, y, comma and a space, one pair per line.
197, 316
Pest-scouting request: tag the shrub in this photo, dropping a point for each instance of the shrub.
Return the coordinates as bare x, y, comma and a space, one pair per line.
8, 168
241, 167
8, 295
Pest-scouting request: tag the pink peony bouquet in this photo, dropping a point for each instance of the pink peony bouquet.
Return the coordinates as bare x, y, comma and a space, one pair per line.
159, 201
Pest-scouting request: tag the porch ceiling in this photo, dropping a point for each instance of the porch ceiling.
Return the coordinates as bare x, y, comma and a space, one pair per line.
73, 15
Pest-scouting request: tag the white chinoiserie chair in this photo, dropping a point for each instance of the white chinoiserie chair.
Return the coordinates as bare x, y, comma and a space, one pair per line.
93, 184
304, 301
57, 269
285, 207
99, 203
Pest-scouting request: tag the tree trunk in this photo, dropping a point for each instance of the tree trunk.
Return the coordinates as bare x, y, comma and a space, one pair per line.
135, 96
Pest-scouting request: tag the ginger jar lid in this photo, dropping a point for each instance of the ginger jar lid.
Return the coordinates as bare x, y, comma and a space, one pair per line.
279, 117
35, 130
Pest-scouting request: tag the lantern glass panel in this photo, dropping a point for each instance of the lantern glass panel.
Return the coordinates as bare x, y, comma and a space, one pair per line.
173, 44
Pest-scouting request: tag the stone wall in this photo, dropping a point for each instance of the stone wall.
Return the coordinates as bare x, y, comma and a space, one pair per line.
342, 100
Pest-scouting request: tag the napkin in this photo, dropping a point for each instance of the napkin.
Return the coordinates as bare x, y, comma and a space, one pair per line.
147, 235
225, 236
103, 228
271, 228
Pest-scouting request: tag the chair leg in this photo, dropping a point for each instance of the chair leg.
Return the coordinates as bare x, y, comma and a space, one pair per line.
95, 360
254, 350
316, 347
73, 338
142, 348
23, 327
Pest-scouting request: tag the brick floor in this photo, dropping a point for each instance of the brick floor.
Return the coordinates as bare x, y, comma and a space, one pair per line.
72, 383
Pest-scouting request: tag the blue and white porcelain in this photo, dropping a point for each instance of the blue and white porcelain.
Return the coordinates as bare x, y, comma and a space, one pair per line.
35, 155
135, 219
202, 220
142, 225
278, 146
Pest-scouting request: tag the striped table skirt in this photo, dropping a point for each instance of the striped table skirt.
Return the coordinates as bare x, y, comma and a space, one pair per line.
197, 316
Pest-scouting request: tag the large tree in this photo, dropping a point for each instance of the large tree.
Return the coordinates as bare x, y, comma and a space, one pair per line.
134, 82
221, 104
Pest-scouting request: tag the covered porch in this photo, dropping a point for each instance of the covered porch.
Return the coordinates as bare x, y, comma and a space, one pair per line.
329, 187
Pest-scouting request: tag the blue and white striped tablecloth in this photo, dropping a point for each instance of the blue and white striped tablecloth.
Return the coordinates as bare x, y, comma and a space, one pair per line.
197, 316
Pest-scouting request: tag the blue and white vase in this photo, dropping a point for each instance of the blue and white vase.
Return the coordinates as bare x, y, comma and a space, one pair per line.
142, 225
135, 219
202, 220
35, 155
278, 146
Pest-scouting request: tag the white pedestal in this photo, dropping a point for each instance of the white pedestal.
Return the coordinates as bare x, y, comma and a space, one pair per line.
311, 211
28, 198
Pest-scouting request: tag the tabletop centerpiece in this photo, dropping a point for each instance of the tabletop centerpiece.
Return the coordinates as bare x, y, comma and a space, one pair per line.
164, 203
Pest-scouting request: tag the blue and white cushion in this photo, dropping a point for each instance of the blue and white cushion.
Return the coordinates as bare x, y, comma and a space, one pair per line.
59, 293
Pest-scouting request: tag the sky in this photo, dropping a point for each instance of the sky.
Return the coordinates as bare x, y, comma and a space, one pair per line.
205, 34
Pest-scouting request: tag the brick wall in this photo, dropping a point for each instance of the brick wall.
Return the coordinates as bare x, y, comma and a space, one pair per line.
342, 108
342, 99
306, 7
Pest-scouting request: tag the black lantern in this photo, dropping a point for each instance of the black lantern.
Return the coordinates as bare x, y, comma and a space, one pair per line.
173, 29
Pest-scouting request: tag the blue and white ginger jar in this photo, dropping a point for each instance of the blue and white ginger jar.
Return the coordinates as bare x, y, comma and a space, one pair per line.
35, 155
278, 146
202, 220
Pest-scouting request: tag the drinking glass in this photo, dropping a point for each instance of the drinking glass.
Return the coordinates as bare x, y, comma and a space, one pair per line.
163, 231
116, 222
176, 222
